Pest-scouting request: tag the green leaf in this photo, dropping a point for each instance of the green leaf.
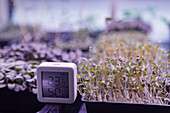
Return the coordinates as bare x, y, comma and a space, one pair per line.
82, 75
140, 87
95, 92
153, 78
78, 76
144, 71
99, 70
27, 72
129, 72
130, 95
92, 78
167, 76
135, 85
100, 82
164, 95
30, 73
154, 64
33, 67
18, 69
92, 70
108, 19
106, 78
88, 65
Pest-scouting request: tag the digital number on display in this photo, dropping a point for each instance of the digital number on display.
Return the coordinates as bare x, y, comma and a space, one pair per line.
55, 84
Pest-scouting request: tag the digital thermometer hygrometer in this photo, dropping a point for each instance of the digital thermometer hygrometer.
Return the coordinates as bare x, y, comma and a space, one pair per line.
57, 82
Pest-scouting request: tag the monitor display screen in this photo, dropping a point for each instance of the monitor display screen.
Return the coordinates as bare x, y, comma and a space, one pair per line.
55, 84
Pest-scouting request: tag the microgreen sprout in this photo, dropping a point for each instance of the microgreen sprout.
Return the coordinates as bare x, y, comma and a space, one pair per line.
128, 82
124, 69
18, 63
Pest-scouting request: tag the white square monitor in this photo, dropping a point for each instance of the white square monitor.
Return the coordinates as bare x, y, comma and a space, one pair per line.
57, 82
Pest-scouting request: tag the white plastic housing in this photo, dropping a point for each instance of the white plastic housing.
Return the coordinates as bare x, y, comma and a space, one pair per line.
71, 68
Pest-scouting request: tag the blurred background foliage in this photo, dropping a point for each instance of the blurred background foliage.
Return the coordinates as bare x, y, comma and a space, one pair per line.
38, 19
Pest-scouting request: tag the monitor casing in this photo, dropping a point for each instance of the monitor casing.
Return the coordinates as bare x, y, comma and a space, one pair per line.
71, 68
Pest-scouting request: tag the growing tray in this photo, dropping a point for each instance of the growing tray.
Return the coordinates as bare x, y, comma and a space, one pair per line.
19, 102
122, 107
